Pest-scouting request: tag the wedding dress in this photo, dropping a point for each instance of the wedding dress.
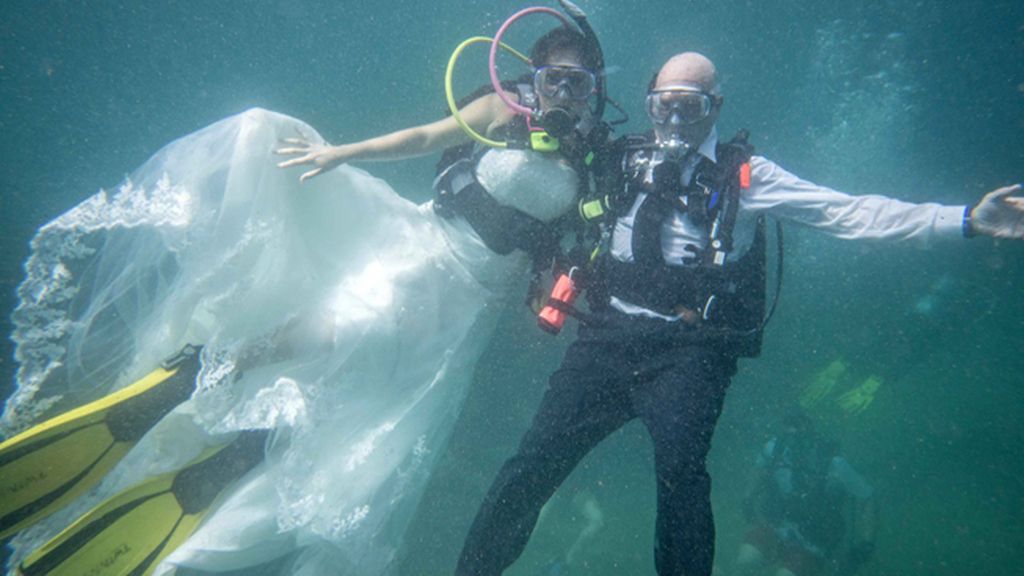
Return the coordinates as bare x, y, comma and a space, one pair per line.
339, 315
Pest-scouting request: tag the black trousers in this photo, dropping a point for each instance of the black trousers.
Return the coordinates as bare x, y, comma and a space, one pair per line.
602, 384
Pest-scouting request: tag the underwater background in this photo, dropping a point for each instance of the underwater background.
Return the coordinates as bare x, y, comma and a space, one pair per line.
918, 100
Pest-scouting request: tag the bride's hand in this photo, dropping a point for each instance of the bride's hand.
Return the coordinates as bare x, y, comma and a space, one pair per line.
323, 156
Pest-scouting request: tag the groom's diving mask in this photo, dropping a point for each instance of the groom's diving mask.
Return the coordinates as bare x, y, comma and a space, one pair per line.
674, 108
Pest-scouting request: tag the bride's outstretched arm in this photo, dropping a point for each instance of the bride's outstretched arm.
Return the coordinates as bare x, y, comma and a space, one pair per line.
483, 114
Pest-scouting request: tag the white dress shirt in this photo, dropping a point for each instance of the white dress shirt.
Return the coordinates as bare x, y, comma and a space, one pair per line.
780, 194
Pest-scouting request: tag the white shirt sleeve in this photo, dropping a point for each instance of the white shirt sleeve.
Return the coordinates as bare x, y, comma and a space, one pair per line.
787, 197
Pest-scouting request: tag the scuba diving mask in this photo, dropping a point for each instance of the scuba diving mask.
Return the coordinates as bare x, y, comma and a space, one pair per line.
682, 105
673, 108
564, 82
570, 84
567, 84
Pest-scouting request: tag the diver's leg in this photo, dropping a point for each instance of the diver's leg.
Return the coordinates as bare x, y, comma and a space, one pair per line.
580, 408
680, 407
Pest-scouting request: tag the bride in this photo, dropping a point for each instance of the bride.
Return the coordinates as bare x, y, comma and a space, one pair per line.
342, 317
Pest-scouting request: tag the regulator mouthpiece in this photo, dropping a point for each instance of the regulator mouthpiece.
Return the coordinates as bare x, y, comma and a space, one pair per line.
558, 122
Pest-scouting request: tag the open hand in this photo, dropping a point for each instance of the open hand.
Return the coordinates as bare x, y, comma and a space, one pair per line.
321, 156
1000, 214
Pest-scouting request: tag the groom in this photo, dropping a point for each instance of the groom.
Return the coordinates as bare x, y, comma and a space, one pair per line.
667, 341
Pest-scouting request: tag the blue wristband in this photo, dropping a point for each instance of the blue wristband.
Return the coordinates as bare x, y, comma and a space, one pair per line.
968, 228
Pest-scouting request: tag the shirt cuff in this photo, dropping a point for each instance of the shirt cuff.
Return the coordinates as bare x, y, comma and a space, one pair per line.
949, 221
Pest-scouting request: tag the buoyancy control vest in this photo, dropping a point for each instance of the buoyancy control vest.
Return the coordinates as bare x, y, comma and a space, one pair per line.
504, 229
723, 297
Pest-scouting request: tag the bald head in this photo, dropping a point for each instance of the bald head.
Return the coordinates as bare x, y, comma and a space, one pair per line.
682, 122
688, 68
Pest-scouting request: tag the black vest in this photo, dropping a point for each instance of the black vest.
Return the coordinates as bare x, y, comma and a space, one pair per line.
504, 229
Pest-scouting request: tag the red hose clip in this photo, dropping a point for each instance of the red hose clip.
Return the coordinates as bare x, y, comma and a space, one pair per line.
552, 318
745, 175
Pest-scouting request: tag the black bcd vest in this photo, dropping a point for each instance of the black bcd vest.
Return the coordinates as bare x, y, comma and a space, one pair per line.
504, 229
729, 296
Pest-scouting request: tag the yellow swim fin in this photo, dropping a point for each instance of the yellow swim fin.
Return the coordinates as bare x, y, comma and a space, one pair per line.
860, 398
130, 533
49, 465
822, 384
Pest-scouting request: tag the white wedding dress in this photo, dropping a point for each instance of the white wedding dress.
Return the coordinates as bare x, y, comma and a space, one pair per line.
340, 315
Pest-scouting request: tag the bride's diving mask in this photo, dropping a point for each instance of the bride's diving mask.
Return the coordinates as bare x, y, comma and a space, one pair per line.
568, 84
563, 84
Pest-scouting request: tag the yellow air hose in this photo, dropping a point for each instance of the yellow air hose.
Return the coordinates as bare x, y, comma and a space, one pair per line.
448, 92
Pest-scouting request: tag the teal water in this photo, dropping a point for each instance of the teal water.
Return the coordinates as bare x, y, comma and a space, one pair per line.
918, 100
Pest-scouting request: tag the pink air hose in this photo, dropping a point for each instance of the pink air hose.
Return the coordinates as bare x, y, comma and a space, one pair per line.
517, 107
